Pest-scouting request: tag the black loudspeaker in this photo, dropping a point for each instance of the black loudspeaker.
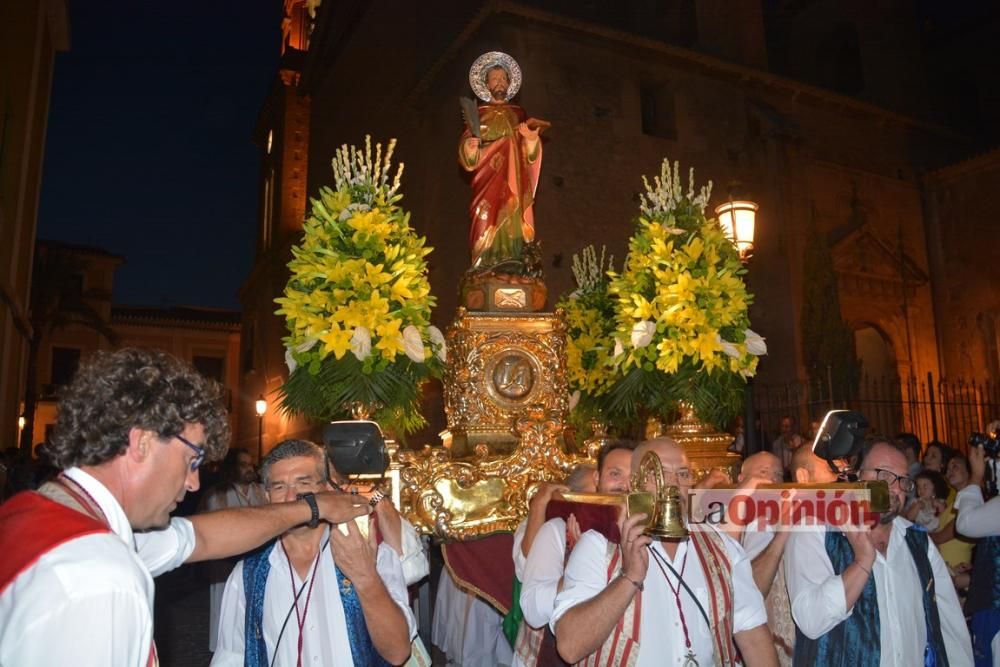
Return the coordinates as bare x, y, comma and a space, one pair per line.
356, 447
841, 436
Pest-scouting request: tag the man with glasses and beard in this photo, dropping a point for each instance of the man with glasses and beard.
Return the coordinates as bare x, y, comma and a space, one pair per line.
875, 595
76, 578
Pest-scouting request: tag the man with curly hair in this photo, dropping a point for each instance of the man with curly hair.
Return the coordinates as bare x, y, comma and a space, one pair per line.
80, 554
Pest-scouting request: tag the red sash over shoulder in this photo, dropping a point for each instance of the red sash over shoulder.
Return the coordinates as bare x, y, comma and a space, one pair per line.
31, 525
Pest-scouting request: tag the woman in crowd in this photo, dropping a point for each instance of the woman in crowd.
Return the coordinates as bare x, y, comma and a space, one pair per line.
955, 549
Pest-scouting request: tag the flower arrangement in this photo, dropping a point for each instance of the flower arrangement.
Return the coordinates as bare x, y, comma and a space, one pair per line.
357, 304
681, 309
590, 323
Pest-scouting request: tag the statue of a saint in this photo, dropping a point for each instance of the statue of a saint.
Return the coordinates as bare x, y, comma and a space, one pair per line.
502, 148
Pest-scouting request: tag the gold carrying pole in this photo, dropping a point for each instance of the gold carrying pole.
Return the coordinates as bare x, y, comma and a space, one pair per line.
663, 508
878, 491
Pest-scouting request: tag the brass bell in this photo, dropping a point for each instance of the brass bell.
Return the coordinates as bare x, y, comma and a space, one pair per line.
665, 518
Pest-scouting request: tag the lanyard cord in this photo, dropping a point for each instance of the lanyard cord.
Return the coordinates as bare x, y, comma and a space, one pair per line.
87, 502
677, 595
301, 620
295, 606
660, 559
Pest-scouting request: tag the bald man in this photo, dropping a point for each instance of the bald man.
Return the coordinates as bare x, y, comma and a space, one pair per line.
619, 602
764, 465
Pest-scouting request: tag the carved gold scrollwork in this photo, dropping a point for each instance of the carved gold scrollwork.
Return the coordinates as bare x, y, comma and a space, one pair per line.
461, 499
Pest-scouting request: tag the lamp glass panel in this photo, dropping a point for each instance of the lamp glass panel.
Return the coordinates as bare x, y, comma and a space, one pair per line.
745, 218
726, 221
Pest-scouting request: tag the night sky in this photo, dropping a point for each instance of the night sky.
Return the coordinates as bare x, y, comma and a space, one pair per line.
149, 151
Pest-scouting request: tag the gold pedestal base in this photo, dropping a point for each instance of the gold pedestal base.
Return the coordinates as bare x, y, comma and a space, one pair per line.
499, 366
506, 400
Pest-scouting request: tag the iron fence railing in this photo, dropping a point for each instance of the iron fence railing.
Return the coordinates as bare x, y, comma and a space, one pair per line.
932, 408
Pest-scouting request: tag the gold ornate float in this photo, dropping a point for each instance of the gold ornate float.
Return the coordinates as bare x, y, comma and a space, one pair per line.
467, 498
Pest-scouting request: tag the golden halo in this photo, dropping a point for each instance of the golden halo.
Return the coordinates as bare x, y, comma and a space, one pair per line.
487, 61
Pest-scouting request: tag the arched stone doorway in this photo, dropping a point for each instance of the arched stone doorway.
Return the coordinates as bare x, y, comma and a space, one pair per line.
879, 395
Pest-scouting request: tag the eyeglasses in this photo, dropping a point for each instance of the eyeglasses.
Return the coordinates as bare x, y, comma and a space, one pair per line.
906, 484
682, 475
199, 452
298, 486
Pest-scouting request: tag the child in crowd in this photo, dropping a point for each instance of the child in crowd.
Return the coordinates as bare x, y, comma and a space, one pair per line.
926, 508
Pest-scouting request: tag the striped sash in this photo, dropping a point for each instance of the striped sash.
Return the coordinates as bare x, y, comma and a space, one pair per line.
711, 551
529, 643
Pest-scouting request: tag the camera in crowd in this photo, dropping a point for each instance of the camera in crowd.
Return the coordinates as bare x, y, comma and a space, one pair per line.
990, 442
840, 439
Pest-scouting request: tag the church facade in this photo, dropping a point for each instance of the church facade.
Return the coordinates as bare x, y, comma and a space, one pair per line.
805, 111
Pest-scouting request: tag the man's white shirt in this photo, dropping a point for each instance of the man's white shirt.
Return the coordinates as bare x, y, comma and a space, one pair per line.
543, 570
661, 635
414, 560
89, 601
520, 560
976, 518
325, 638
819, 604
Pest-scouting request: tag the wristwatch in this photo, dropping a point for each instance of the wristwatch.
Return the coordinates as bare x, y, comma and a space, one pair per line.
310, 499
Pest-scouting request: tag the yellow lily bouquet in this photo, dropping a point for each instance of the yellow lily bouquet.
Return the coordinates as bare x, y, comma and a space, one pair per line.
357, 304
681, 310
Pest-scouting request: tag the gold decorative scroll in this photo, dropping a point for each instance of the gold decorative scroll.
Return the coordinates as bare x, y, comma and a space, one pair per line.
464, 499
